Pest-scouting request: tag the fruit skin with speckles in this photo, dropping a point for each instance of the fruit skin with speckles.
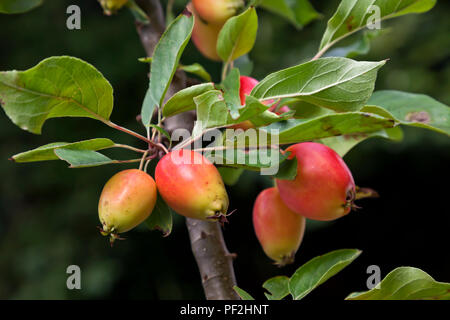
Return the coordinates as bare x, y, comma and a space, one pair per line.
323, 189
191, 185
112, 6
204, 36
127, 199
279, 230
217, 11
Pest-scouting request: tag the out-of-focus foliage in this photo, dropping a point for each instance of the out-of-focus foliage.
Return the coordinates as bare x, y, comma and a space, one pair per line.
48, 213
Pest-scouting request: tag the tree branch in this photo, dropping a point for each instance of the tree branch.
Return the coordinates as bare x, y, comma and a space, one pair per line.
208, 246
213, 259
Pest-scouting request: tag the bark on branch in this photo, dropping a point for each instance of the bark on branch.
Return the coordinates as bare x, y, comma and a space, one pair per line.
213, 259
208, 246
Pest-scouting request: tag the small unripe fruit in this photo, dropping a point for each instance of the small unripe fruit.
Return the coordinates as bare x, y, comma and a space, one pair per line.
111, 6
323, 188
127, 199
191, 185
217, 11
278, 229
205, 36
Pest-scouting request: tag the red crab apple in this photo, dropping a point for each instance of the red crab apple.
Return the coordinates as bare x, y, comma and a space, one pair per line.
217, 11
191, 185
246, 86
278, 229
323, 188
127, 199
205, 35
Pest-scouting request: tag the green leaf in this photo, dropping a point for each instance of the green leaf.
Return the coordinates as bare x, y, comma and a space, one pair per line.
354, 15
343, 144
253, 159
268, 117
297, 12
230, 176
82, 158
264, 118
161, 218
18, 6
238, 35
411, 109
244, 295
46, 152
406, 283
334, 124
278, 288
288, 170
304, 110
198, 70
231, 86
339, 84
360, 46
318, 270
165, 59
212, 112
56, 87
183, 100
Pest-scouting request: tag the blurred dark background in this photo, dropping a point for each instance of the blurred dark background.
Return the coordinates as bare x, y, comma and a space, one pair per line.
48, 213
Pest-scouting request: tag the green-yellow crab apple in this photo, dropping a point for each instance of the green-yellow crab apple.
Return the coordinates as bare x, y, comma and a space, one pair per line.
278, 229
127, 199
217, 11
111, 6
191, 185
205, 35
323, 188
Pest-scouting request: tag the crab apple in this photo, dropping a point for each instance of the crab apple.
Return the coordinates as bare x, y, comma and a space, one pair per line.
246, 86
204, 36
127, 199
278, 229
323, 188
217, 11
111, 6
191, 185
